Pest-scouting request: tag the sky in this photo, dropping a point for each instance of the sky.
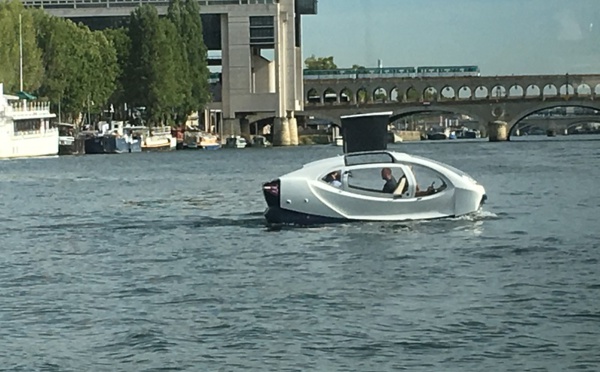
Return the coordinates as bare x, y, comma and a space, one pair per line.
502, 37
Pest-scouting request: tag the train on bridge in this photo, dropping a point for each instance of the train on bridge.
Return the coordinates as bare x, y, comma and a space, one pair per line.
380, 73
392, 72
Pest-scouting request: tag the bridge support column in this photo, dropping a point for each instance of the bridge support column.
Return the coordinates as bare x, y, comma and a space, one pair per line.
245, 128
497, 131
293, 125
231, 127
281, 132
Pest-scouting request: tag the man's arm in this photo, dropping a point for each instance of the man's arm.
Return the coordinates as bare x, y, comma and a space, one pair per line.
430, 191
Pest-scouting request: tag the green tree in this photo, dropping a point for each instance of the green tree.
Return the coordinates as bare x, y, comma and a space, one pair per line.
9, 48
188, 24
320, 63
174, 106
102, 68
119, 39
155, 73
80, 65
197, 55
55, 38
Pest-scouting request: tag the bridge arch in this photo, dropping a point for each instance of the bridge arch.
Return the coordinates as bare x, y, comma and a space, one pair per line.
550, 91
512, 124
584, 90
533, 91
379, 95
498, 91
430, 94
408, 111
259, 123
362, 96
516, 91
575, 124
482, 92
312, 96
465, 93
412, 95
566, 90
330, 95
447, 93
346, 95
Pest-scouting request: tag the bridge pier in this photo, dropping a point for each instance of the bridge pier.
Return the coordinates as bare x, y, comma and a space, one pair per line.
245, 128
281, 132
293, 125
231, 127
497, 131
285, 131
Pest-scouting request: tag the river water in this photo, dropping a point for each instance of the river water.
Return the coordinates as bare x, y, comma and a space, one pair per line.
162, 261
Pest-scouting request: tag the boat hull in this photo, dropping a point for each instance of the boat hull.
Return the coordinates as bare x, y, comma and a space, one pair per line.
275, 215
30, 145
71, 146
153, 148
280, 216
111, 145
159, 143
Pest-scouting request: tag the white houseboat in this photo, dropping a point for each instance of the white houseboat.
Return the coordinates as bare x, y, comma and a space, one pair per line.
25, 129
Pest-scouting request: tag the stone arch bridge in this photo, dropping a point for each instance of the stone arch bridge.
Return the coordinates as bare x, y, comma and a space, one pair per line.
485, 99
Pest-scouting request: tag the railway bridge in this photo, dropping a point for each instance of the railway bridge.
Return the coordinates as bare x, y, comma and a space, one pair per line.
484, 98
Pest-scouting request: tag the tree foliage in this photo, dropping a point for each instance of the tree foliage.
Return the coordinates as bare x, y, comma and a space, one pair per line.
9, 48
80, 65
320, 63
156, 71
119, 39
158, 63
186, 19
197, 55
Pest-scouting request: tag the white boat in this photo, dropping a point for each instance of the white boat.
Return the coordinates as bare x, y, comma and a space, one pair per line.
236, 142
260, 141
194, 138
25, 129
375, 185
158, 139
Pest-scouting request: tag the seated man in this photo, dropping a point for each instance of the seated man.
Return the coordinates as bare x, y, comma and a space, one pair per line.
390, 182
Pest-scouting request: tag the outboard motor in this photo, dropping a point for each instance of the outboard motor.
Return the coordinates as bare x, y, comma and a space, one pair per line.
271, 193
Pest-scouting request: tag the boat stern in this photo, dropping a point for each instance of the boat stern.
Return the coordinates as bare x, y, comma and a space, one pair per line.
271, 192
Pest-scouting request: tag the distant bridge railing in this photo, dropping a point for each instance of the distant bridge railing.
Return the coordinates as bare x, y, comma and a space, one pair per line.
118, 3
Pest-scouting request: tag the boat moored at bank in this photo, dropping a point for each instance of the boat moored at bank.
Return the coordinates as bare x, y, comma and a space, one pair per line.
194, 138
235, 142
114, 137
25, 128
158, 139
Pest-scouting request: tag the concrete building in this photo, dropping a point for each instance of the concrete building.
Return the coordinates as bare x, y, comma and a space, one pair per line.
261, 59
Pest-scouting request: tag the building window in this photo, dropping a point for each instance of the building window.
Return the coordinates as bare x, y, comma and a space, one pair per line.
262, 31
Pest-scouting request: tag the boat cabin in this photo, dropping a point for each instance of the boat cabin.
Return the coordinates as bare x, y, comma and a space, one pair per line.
383, 174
